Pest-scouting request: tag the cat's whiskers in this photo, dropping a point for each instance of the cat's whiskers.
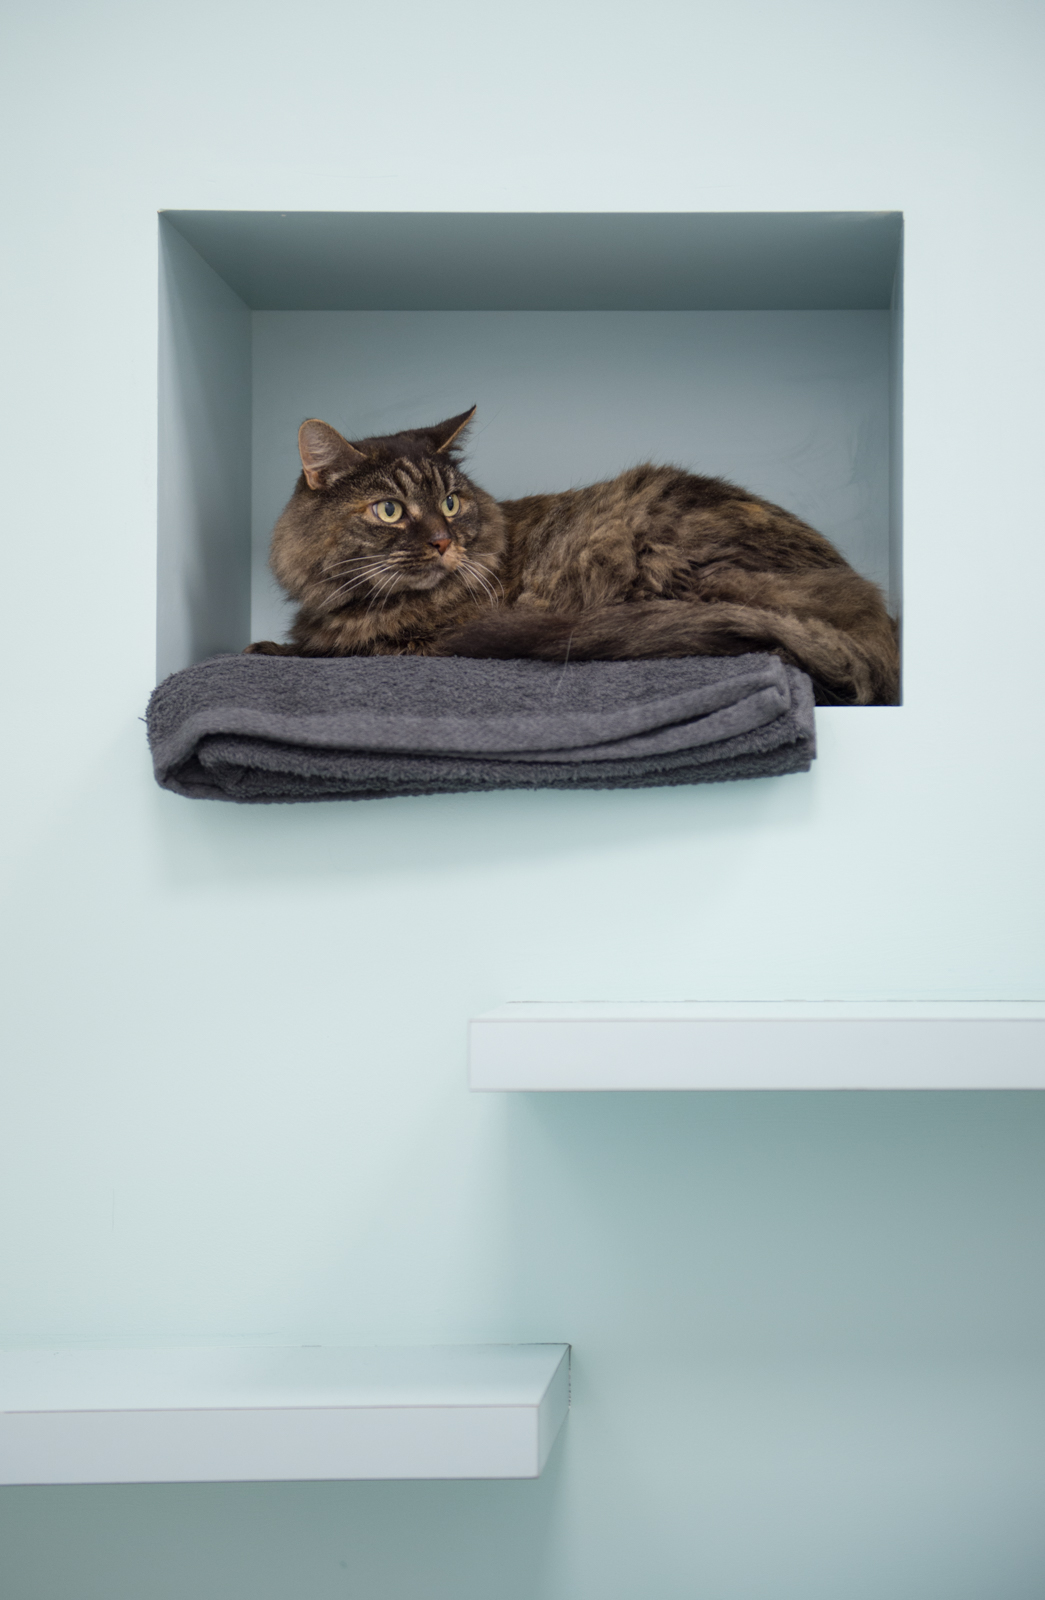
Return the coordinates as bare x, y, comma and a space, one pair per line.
360, 572
372, 555
487, 572
468, 585
357, 567
470, 568
357, 582
379, 592
485, 575
342, 567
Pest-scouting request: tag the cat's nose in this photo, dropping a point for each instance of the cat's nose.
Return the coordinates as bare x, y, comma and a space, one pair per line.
440, 541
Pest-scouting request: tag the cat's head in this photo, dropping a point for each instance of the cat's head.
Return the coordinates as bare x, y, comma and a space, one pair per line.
380, 517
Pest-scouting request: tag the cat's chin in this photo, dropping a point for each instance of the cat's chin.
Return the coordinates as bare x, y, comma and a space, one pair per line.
428, 577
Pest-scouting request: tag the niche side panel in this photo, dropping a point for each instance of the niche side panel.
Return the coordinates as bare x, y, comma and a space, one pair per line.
203, 532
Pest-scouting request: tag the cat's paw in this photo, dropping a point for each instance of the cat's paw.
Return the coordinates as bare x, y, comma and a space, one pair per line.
267, 647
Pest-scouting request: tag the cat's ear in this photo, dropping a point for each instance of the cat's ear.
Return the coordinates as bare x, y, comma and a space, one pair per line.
444, 433
325, 455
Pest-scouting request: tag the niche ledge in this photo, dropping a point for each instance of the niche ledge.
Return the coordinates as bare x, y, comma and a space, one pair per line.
236, 1414
760, 1045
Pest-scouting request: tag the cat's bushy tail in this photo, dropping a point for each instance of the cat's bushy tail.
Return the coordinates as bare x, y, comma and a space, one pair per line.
846, 669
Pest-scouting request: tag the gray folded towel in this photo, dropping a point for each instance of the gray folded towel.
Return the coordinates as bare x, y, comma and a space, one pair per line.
270, 728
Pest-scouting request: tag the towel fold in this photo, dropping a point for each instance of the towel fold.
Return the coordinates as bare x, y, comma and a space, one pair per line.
280, 728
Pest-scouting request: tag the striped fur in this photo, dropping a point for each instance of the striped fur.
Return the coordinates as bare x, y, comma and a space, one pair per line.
655, 562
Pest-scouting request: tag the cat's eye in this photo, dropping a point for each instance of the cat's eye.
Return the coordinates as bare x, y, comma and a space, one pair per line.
451, 505
388, 510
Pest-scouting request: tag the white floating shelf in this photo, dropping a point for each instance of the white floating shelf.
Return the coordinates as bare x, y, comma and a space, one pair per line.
760, 1045
250, 1414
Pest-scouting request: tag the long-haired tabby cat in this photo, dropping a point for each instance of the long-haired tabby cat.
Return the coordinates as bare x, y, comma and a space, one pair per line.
389, 548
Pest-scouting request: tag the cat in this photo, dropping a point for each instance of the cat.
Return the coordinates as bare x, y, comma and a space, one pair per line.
389, 548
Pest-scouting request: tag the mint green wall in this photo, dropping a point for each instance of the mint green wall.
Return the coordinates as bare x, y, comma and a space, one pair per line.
808, 1331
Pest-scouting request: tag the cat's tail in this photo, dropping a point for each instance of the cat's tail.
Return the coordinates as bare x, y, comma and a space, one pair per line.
846, 669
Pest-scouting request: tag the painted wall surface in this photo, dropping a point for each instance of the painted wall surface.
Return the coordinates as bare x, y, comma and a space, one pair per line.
808, 1331
792, 404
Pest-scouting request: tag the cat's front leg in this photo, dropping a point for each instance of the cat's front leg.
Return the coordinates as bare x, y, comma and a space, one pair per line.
268, 647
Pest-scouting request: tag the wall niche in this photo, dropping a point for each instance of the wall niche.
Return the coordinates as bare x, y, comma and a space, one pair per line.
764, 347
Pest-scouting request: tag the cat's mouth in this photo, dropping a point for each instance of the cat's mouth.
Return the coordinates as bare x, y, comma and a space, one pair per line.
429, 575
427, 572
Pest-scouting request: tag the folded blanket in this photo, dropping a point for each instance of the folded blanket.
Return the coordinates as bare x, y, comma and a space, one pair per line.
270, 728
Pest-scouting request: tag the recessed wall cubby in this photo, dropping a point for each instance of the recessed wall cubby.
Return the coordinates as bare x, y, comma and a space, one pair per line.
763, 347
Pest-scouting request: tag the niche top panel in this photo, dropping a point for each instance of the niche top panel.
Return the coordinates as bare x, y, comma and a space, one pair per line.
238, 1413
760, 1045
550, 261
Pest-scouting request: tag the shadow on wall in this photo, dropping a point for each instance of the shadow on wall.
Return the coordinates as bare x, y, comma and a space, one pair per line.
323, 1541
777, 1227
116, 810
216, 843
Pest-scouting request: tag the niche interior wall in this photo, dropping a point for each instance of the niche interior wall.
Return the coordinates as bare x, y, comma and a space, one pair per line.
762, 347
